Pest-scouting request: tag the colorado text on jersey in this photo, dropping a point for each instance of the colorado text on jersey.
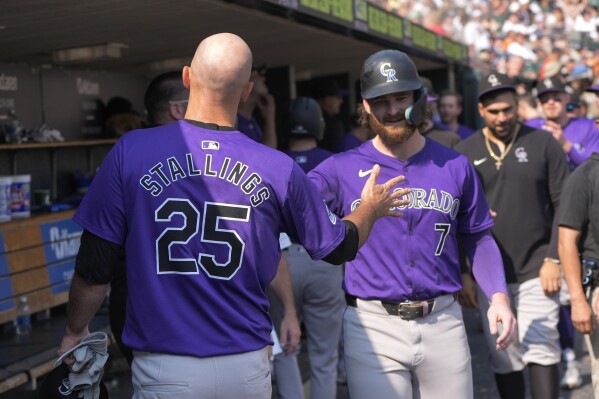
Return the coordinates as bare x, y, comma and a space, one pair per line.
421, 199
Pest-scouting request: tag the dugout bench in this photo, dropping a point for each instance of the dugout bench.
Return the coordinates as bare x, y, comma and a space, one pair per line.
37, 259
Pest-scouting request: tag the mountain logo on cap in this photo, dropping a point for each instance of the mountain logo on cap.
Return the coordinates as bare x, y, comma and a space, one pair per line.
389, 72
548, 83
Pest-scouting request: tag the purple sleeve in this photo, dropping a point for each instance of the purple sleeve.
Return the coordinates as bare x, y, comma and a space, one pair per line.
580, 152
327, 185
474, 213
102, 210
307, 218
486, 262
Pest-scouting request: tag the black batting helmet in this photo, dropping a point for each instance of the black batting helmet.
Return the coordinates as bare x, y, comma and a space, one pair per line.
305, 118
392, 71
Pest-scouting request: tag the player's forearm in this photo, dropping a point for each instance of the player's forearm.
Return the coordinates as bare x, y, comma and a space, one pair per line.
487, 265
282, 287
568, 253
270, 134
84, 301
363, 217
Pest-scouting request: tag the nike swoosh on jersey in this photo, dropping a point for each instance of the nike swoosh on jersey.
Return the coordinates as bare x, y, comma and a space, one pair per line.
479, 161
364, 173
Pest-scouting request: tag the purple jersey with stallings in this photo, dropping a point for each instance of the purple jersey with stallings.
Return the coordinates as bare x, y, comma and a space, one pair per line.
250, 128
413, 257
199, 212
307, 160
581, 132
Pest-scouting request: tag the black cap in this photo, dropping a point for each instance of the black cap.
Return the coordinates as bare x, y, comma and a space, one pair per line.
56, 385
493, 82
386, 72
329, 87
551, 85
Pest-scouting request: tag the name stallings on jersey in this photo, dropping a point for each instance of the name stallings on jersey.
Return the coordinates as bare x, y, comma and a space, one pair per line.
427, 199
236, 173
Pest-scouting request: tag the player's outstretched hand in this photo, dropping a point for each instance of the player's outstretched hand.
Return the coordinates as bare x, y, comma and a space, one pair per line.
381, 197
500, 312
290, 333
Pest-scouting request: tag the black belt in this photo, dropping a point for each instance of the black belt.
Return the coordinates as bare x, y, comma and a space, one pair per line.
406, 310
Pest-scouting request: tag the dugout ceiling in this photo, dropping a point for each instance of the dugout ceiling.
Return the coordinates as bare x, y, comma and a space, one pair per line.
162, 34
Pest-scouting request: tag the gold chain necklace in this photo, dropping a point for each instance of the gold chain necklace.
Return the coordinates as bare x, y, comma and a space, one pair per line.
499, 158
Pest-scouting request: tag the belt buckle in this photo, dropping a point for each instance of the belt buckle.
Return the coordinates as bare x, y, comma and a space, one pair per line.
414, 310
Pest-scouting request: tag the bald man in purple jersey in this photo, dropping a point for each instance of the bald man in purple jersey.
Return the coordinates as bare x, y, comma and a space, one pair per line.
403, 331
198, 208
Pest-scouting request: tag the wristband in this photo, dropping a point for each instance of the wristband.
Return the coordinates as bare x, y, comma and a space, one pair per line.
552, 260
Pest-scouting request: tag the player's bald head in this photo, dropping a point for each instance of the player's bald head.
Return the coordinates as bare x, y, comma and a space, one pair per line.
222, 65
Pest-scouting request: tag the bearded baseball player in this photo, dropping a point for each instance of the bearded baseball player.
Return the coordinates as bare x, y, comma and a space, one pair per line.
522, 170
198, 207
403, 330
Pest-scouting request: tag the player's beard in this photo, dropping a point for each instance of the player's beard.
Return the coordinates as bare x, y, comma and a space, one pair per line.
391, 135
505, 131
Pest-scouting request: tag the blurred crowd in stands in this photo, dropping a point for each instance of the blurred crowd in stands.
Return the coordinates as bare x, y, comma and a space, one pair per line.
527, 39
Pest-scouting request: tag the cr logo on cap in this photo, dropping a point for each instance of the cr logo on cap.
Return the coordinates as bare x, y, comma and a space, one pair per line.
493, 80
389, 72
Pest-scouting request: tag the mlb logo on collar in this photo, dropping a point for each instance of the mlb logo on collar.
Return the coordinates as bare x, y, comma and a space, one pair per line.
210, 145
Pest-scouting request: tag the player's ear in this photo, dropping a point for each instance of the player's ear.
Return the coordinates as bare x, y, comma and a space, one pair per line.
186, 79
481, 109
246, 91
366, 105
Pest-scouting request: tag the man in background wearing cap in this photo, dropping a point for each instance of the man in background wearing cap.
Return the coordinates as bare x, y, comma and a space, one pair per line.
330, 98
522, 170
403, 331
450, 108
579, 137
259, 98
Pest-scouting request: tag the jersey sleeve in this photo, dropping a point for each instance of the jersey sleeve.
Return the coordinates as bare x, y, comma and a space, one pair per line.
307, 219
323, 177
589, 144
102, 211
573, 210
473, 214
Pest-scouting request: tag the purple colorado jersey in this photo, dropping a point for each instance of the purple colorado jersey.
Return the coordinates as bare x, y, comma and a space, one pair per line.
413, 257
200, 218
581, 132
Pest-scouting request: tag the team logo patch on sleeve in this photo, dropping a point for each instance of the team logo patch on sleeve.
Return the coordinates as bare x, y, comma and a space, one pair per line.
210, 145
332, 216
